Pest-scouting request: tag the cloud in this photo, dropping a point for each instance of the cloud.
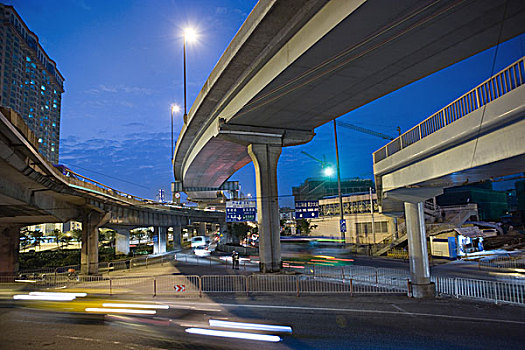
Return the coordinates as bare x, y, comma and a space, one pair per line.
130, 125
137, 163
221, 10
132, 90
83, 5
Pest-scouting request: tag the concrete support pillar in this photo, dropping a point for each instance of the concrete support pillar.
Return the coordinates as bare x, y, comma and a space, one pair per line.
265, 158
202, 229
418, 253
177, 237
91, 221
159, 239
9, 249
122, 241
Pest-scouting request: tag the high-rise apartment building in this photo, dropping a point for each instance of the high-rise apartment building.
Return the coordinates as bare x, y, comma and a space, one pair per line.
30, 83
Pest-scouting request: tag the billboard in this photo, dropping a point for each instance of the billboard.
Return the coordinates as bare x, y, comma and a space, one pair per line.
239, 211
306, 209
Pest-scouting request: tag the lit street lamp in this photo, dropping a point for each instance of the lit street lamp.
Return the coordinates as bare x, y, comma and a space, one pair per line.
189, 35
329, 171
174, 109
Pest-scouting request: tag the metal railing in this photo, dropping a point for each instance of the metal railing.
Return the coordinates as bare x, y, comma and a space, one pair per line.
384, 278
195, 286
104, 267
496, 86
324, 280
492, 291
504, 262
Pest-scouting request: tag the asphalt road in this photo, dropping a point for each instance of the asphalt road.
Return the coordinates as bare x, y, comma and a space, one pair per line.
379, 322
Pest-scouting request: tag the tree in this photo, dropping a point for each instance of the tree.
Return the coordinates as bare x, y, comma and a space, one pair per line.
37, 237
239, 231
285, 230
136, 234
111, 235
25, 237
57, 234
77, 234
304, 226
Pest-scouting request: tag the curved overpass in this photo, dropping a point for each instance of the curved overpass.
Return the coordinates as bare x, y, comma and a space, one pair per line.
295, 65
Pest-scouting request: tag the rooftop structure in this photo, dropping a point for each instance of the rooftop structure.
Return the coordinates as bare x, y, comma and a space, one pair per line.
318, 188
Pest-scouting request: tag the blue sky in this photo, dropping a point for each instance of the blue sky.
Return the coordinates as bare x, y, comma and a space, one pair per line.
122, 61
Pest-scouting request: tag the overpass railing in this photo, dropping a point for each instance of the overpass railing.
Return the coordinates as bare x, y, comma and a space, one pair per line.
77, 180
496, 86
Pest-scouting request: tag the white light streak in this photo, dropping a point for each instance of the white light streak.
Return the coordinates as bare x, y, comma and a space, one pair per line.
120, 311
77, 295
138, 306
44, 297
26, 281
238, 335
250, 326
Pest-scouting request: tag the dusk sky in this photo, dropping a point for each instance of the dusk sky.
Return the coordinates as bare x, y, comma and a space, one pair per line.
122, 61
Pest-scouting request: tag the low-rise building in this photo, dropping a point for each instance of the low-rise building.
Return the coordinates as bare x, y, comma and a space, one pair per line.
363, 225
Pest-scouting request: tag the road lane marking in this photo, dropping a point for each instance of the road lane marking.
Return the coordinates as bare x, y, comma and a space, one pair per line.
402, 310
308, 308
102, 341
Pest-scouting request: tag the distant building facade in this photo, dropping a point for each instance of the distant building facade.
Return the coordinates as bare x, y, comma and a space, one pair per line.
49, 228
364, 226
492, 204
318, 188
30, 82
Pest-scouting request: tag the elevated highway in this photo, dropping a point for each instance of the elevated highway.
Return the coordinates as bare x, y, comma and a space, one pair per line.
32, 191
295, 65
477, 137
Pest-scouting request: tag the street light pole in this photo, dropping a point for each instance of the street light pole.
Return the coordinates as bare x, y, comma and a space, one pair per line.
341, 212
184, 54
172, 150
189, 35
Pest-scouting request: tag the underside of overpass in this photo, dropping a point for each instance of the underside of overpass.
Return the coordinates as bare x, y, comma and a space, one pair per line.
33, 191
294, 66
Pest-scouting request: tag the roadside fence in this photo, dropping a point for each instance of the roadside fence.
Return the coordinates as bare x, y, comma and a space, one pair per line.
103, 267
510, 291
505, 262
195, 286
493, 291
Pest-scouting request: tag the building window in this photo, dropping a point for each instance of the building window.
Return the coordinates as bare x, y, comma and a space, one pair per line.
365, 228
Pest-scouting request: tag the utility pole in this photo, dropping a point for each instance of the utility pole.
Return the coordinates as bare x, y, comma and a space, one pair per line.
341, 212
